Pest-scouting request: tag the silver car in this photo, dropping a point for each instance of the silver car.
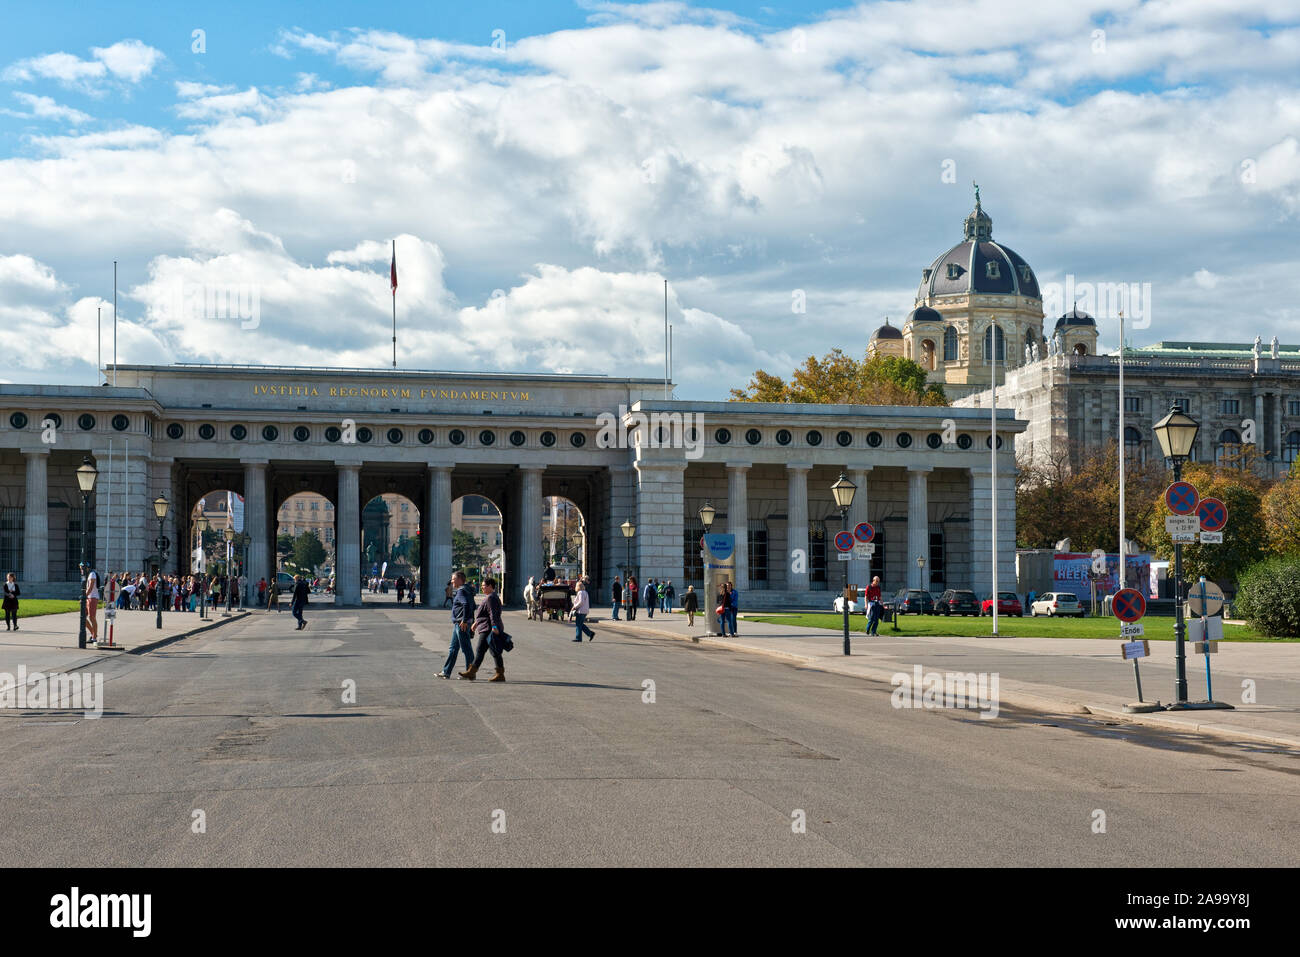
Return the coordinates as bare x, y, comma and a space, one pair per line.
1056, 603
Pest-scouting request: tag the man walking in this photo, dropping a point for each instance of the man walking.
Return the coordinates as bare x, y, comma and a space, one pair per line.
489, 627
581, 608
733, 606
462, 620
670, 595
874, 607
615, 597
651, 598
300, 592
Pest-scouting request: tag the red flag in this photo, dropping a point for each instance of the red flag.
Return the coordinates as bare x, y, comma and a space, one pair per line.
394, 269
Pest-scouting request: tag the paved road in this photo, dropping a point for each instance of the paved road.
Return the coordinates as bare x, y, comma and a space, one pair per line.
247, 725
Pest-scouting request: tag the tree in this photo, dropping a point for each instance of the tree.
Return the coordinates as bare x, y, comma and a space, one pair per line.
284, 546
1281, 509
838, 378
308, 552
466, 550
1244, 538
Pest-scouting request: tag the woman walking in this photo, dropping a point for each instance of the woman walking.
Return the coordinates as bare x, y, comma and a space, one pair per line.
690, 605
489, 627
635, 596
12, 591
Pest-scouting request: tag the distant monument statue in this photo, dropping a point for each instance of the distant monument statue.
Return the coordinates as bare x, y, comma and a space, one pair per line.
1035, 352
1276, 348
1029, 353
1259, 343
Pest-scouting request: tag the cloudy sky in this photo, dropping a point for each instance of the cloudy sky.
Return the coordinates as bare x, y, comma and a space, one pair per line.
545, 166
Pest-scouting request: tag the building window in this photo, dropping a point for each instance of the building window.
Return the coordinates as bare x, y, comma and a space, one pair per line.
989, 333
1293, 406
1230, 407
878, 558
936, 560
1133, 447
954, 271
1228, 452
950, 345
1291, 448
1025, 274
692, 563
817, 555
758, 553
991, 270
1183, 404
11, 541
315, 506
1132, 403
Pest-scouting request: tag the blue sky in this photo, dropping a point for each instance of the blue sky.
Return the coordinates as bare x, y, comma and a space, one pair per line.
542, 181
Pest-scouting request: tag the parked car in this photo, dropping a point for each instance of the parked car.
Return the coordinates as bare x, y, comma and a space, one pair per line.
957, 601
1056, 603
839, 606
914, 601
1008, 604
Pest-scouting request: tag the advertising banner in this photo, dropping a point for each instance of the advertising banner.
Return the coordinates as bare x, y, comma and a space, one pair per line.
1070, 573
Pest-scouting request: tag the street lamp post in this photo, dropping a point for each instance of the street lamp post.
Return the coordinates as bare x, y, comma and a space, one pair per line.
230, 537
707, 513
844, 490
86, 476
920, 565
160, 507
628, 530
1177, 434
201, 579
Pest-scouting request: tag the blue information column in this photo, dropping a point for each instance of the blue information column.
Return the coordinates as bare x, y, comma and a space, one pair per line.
719, 553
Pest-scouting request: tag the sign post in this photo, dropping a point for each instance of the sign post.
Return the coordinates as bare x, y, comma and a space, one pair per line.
719, 552
1129, 605
1206, 630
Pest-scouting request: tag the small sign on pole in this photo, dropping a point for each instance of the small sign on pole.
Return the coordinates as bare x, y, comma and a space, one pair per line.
1182, 528
1134, 650
1131, 631
1211, 538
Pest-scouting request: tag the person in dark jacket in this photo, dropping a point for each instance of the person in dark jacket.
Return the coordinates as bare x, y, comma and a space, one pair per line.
12, 591
651, 597
633, 591
690, 605
733, 606
615, 597
300, 592
462, 624
489, 628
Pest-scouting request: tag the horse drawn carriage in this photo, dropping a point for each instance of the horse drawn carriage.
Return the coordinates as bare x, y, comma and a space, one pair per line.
554, 599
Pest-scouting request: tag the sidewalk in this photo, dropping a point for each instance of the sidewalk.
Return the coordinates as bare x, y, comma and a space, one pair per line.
1064, 675
49, 642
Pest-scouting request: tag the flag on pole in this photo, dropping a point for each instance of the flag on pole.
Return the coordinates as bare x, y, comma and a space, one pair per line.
393, 276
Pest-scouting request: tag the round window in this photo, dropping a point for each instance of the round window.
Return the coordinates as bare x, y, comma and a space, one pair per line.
964, 441
395, 436
722, 436
844, 439
426, 436
813, 437
121, 423
175, 430
548, 439
456, 437
988, 443
238, 433
753, 436
904, 440
333, 433
517, 438
934, 440
487, 437
207, 431
18, 420
270, 433
364, 434
783, 437
85, 421
301, 433
874, 439
55, 418
577, 440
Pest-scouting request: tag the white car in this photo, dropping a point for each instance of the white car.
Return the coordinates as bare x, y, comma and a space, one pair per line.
839, 606
1056, 603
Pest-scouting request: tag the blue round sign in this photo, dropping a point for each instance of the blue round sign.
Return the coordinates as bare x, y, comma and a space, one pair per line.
863, 532
844, 541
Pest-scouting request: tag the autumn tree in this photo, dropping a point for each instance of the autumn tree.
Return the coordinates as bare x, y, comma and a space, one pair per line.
1281, 509
837, 378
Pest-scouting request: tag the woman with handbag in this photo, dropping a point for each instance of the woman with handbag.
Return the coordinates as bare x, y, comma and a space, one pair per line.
489, 628
12, 591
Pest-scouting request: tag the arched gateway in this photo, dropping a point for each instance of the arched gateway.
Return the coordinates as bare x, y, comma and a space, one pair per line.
610, 447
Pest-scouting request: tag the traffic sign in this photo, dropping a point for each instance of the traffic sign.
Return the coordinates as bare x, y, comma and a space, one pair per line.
1131, 631
1205, 629
1213, 515
1182, 528
843, 541
1128, 605
1211, 538
1182, 498
1135, 649
1212, 602
1205, 648
863, 532
844, 556
864, 551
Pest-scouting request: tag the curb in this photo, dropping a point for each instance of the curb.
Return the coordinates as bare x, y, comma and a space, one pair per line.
160, 642
1016, 699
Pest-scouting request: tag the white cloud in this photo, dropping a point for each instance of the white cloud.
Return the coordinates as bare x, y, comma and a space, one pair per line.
45, 108
127, 61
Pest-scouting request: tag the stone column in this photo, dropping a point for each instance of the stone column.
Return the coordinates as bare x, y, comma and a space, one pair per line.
256, 520
1261, 437
859, 568
918, 526
738, 519
36, 520
660, 517
437, 534
797, 524
528, 534
1279, 441
347, 549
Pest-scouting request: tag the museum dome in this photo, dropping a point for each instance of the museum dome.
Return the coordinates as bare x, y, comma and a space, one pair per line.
924, 314
887, 332
977, 264
1075, 318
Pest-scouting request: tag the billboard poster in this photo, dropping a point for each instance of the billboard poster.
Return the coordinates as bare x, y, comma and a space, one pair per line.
235, 504
1070, 573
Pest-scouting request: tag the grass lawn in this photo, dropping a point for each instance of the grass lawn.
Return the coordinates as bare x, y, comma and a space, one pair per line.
1157, 629
31, 607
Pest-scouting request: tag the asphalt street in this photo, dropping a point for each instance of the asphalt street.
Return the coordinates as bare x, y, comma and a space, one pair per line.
245, 731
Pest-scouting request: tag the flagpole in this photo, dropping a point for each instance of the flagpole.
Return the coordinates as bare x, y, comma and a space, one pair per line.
394, 277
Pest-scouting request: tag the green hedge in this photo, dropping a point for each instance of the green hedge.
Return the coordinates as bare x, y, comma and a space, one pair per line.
1268, 596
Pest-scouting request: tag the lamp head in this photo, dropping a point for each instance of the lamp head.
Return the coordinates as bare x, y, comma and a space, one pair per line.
707, 514
86, 476
843, 490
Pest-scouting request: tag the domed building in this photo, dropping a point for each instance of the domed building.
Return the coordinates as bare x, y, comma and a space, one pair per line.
886, 341
1078, 333
977, 300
